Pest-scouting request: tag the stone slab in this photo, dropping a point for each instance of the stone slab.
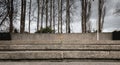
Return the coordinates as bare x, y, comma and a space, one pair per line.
44, 42
63, 37
59, 63
59, 47
92, 54
29, 54
59, 55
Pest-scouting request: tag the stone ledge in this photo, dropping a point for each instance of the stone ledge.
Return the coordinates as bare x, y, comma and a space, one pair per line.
75, 42
63, 37
92, 54
59, 55
60, 47
29, 54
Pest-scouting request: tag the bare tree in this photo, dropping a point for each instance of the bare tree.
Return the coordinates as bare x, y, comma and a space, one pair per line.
61, 14
38, 19
86, 13
42, 12
47, 13
101, 14
83, 4
53, 15
3, 13
29, 15
117, 9
58, 16
23, 12
7, 14
67, 16
10, 2
51, 4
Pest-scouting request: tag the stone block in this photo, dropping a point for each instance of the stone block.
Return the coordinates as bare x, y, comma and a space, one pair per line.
30, 55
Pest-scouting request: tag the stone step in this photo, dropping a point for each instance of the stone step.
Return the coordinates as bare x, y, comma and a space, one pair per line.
30, 50
39, 55
60, 47
59, 63
75, 42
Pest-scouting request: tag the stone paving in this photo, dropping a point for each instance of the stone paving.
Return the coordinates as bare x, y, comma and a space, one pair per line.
59, 63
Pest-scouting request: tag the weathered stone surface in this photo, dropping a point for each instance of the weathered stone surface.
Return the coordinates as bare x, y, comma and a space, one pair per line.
59, 54
30, 54
63, 37
92, 54
68, 42
59, 63
60, 47
91, 47
29, 47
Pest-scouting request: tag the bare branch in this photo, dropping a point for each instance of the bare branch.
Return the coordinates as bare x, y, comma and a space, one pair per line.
3, 19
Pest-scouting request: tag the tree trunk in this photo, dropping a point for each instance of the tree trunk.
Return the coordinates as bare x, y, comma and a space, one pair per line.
11, 8
46, 13
86, 12
84, 16
21, 20
58, 16
23, 12
38, 19
101, 15
61, 16
51, 13
42, 13
29, 16
54, 15
68, 16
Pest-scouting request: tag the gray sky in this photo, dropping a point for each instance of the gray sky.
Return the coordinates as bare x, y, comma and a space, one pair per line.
112, 21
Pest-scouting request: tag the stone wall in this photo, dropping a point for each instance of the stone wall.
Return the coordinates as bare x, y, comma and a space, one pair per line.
62, 37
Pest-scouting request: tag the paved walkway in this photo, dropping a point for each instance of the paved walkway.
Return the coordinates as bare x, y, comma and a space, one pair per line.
59, 63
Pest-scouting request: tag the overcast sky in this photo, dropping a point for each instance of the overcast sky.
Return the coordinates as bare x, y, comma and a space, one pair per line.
112, 20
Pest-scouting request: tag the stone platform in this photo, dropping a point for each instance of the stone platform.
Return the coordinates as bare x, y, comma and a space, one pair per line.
58, 47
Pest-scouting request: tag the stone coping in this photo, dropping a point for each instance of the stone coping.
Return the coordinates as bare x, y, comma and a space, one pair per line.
77, 42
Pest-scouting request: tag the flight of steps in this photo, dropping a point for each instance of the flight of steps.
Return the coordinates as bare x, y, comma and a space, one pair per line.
72, 49
37, 50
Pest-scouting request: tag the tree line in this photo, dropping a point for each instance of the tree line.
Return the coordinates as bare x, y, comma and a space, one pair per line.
53, 13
